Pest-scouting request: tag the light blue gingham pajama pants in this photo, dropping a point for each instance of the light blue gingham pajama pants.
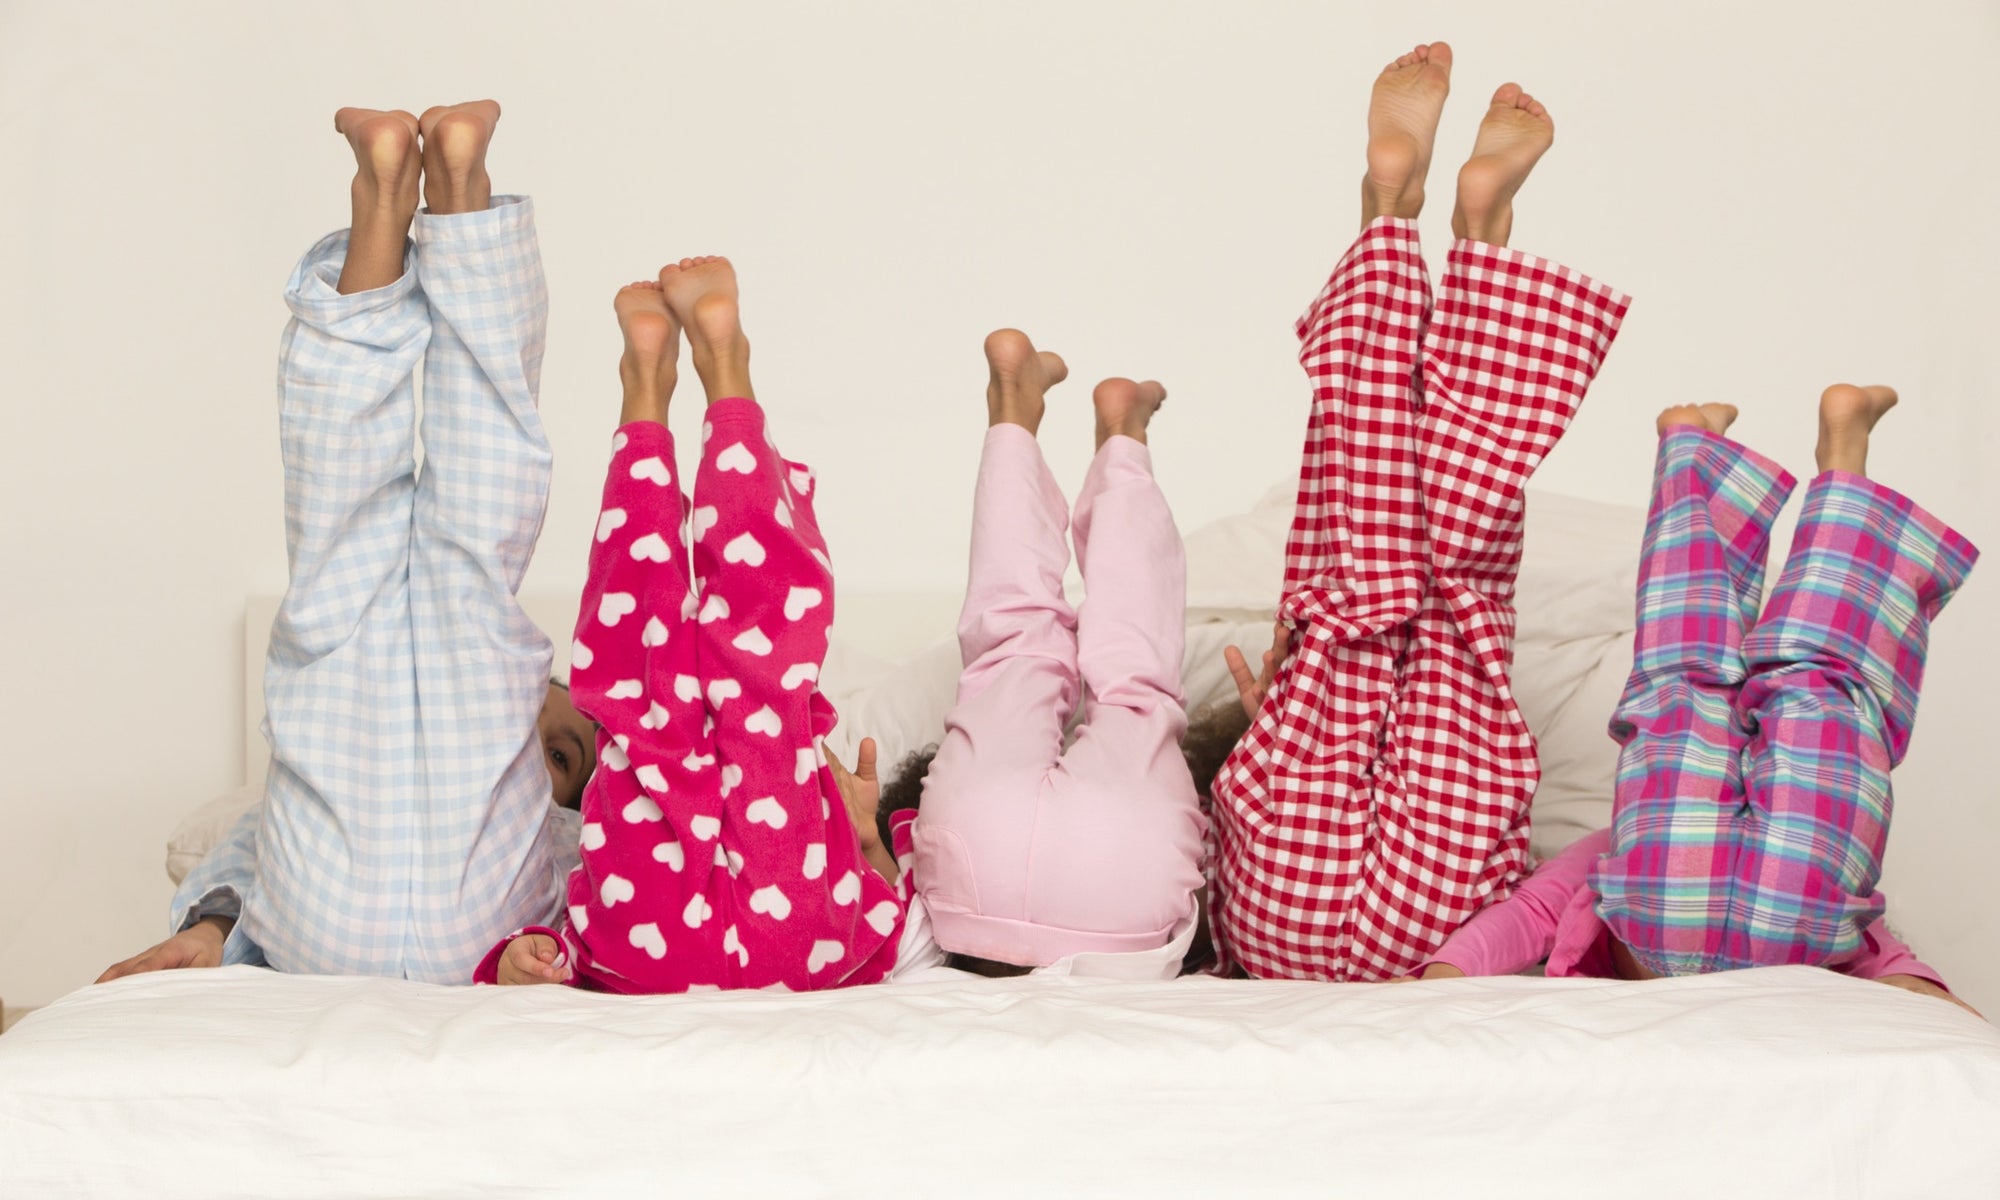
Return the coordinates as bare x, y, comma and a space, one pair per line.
406, 822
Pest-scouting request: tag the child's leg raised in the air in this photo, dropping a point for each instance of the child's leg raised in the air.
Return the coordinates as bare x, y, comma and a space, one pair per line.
976, 832
1295, 800
1511, 347
805, 909
1118, 863
333, 853
1664, 883
483, 856
640, 898
1835, 668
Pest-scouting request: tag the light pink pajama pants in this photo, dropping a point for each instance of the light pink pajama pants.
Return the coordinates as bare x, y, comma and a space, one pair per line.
716, 851
1024, 853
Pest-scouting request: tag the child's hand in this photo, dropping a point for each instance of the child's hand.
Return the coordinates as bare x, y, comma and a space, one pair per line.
531, 958
199, 945
1436, 970
1252, 689
1924, 987
861, 792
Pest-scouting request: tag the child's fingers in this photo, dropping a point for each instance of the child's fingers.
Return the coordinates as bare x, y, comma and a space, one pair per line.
864, 760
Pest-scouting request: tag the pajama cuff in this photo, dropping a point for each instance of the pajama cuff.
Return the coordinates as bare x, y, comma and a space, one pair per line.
507, 219
1387, 238
1026, 944
1931, 557
386, 317
1602, 303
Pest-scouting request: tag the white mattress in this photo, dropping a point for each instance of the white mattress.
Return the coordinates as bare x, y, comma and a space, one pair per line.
1781, 1082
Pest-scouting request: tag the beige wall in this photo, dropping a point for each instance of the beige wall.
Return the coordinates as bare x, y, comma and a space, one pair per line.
1794, 193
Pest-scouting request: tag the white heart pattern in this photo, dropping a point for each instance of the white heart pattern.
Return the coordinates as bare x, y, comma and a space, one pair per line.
882, 918
625, 689
766, 812
687, 689
802, 480
608, 522
651, 548
824, 561
655, 718
799, 673
800, 601
697, 911
688, 603
713, 609
647, 937
619, 441
652, 468
579, 917
591, 836
735, 864
771, 902
743, 548
616, 606
736, 458
782, 514
815, 860
721, 856
720, 690
765, 721
651, 778
642, 809
614, 757
615, 890
655, 633
848, 890
753, 641
707, 431
704, 828
695, 761
703, 519
824, 954
732, 945
732, 774
670, 854
580, 656
806, 765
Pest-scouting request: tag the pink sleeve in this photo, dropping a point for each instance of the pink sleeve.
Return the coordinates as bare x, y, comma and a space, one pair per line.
1519, 931
488, 970
1882, 953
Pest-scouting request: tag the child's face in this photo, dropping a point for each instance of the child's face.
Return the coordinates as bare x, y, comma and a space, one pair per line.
569, 746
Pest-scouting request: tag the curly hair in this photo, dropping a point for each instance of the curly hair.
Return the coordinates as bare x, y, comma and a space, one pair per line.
904, 790
1212, 733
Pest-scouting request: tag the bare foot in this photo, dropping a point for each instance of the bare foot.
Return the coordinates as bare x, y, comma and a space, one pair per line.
1513, 135
1403, 115
386, 173
455, 141
1847, 414
1017, 377
649, 366
1716, 418
701, 293
1126, 408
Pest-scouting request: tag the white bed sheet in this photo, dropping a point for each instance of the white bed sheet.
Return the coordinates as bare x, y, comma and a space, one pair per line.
1781, 1082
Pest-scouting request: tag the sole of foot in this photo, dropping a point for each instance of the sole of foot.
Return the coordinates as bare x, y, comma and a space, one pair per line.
1716, 418
1126, 407
1018, 377
386, 159
701, 292
1403, 113
1516, 131
1847, 416
456, 137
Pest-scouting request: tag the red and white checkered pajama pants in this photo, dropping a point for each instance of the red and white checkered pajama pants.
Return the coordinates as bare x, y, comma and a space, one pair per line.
1380, 797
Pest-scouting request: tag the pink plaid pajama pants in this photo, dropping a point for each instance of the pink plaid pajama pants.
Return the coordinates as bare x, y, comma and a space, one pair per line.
716, 851
1380, 797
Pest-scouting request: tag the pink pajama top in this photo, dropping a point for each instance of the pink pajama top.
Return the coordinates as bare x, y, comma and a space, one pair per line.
1553, 915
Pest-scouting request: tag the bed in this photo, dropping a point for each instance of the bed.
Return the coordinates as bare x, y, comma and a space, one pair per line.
1764, 1083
